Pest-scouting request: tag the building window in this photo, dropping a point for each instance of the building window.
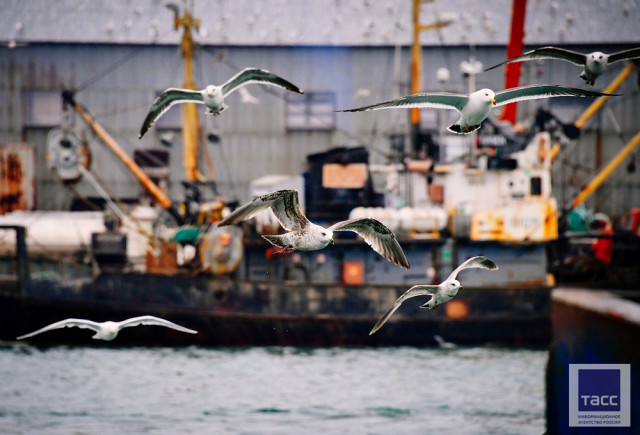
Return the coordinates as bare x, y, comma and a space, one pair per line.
311, 111
42, 108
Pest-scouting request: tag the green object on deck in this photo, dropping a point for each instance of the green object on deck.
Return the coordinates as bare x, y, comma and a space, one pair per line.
186, 235
579, 219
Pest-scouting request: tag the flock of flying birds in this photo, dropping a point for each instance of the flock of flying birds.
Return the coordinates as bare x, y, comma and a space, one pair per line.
306, 236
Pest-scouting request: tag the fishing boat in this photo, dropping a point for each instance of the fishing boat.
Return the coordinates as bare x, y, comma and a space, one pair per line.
171, 260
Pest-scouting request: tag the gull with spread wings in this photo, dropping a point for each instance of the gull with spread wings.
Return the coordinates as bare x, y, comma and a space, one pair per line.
594, 64
107, 331
307, 236
441, 293
475, 107
213, 96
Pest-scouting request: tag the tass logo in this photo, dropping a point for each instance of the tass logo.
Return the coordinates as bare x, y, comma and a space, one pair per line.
598, 390
599, 395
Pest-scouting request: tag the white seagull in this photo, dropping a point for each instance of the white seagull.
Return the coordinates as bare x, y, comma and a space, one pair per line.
594, 64
213, 96
307, 236
441, 293
107, 331
476, 107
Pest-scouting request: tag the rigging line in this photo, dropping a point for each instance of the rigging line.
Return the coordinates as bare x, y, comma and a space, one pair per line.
133, 53
616, 125
387, 77
101, 191
227, 167
107, 195
174, 78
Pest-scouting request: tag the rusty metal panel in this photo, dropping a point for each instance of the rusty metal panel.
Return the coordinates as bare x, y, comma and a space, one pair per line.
17, 178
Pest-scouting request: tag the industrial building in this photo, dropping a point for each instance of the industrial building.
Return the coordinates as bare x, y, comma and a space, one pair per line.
118, 55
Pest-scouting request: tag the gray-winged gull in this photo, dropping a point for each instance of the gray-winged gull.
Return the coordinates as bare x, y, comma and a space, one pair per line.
440, 293
594, 64
213, 96
476, 107
306, 236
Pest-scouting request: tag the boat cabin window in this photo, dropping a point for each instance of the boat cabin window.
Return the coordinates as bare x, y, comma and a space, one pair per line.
536, 186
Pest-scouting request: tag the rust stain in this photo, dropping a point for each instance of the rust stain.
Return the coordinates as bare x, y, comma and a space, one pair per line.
11, 175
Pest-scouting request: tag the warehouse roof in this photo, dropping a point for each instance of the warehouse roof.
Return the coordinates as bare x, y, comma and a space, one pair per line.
319, 22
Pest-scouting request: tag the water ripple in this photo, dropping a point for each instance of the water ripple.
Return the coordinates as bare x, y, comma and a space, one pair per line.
271, 390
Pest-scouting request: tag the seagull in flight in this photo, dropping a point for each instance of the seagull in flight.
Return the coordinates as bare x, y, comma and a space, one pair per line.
307, 236
440, 293
107, 331
213, 96
594, 64
475, 107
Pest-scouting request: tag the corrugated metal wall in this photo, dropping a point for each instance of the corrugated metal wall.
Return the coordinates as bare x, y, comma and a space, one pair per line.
254, 140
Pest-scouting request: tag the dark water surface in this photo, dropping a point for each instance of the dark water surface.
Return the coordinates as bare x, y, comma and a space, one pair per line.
478, 390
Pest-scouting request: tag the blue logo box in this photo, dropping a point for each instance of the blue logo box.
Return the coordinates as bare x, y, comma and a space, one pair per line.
598, 390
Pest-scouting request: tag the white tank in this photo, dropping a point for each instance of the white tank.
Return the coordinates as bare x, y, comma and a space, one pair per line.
49, 231
422, 219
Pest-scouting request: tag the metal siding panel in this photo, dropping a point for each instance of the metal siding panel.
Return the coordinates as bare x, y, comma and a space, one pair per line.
120, 99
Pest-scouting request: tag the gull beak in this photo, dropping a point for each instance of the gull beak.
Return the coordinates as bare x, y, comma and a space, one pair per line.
493, 101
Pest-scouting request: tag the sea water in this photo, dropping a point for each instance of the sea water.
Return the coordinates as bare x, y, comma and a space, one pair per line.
104, 390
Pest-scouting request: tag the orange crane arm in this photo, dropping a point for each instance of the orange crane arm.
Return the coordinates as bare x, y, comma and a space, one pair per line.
144, 179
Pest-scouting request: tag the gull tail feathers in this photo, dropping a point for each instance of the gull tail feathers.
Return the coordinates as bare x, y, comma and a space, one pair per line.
276, 240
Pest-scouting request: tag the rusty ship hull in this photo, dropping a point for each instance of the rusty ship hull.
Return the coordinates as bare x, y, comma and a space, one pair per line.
283, 308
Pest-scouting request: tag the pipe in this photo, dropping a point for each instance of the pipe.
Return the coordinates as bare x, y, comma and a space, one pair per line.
604, 173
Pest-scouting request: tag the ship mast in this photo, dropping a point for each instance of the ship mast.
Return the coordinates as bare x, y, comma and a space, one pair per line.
189, 113
416, 64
